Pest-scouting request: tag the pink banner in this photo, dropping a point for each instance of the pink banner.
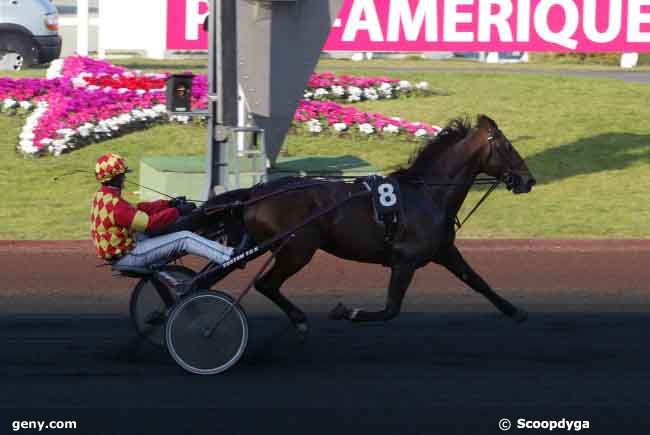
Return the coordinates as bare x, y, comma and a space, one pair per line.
459, 25
492, 25
185, 24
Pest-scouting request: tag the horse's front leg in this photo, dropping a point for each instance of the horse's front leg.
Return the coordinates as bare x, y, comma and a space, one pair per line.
456, 264
400, 279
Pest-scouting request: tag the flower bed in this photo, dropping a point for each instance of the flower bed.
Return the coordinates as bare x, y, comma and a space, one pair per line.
328, 86
316, 116
82, 101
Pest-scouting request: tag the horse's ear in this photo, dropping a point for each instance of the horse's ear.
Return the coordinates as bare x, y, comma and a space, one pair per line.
486, 123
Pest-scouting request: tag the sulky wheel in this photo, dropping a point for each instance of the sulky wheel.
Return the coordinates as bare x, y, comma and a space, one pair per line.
148, 311
207, 333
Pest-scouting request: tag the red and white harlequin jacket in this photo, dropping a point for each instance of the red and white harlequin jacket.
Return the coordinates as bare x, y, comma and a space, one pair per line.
113, 221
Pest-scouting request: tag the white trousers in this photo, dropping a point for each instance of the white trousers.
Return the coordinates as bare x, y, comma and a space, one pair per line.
154, 251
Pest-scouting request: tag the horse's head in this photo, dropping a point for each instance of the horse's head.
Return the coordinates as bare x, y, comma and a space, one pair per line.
500, 159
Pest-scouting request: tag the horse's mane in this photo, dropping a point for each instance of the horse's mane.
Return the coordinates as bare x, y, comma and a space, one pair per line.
421, 160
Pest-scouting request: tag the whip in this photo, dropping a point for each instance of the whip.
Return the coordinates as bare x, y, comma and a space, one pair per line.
81, 171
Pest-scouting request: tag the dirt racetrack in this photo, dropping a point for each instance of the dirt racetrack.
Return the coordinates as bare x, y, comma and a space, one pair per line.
448, 364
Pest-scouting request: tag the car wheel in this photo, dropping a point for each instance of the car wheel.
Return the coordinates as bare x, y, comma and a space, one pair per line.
22, 45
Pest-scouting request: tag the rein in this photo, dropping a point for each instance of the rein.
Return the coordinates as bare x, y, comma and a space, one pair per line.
483, 181
221, 207
480, 202
322, 180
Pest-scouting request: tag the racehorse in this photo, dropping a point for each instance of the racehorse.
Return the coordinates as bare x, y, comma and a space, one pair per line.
433, 188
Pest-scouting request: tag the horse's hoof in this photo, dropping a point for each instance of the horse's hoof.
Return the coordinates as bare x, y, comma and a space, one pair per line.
520, 316
302, 329
339, 312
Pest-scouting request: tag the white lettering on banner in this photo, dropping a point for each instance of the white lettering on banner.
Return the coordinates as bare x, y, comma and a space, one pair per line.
498, 20
614, 21
365, 8
401, 16
474, 25
453, 17
635, 19
193, 18
523, 21
563, 36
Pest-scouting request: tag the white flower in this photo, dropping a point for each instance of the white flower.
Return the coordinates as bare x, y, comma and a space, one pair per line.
355, 93
92, 87
391, 129
314, 126
85, 130
160, 108
65, 132
340, 126
366, 128
57, 147
353, 90
421, 132
320, 92
122, 91
337, 90
181, 118
405, 85
79, 82
54, 71
422, 86
28, 147
123, 119
150, 113
308, 95
26, 105
9, 103
371, 94
386, 89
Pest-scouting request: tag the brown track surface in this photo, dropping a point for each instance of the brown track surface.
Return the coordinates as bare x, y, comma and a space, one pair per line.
450, 364
507, 264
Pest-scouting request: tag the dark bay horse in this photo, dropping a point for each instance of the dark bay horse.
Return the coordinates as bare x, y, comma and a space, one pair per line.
445, 167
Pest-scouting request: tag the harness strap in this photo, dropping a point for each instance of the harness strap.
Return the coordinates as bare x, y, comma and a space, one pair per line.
460, 224
221, 207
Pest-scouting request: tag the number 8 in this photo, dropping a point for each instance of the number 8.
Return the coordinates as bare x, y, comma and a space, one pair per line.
387, 196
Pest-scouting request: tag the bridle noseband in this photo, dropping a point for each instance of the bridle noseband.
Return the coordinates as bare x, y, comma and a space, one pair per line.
508, 178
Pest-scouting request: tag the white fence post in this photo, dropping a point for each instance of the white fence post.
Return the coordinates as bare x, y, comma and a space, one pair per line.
629, 60
82, 27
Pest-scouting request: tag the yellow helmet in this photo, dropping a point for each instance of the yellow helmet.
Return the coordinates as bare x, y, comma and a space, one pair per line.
110, 166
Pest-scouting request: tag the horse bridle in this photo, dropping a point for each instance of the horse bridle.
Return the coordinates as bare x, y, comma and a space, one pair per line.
508, 178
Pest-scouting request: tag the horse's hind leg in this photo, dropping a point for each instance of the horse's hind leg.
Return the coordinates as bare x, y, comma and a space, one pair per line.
288, 262
456, 264
400, 279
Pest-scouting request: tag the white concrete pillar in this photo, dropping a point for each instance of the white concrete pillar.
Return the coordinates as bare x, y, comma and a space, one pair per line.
82, 27
492, 57
629, 60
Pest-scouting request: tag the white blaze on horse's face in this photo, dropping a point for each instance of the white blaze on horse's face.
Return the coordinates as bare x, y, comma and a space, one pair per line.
502, 159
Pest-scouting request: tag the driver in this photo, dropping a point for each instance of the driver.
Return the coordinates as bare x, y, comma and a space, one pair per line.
119, 229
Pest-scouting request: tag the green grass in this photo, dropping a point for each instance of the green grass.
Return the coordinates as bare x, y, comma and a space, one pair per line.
586, 140
463, 64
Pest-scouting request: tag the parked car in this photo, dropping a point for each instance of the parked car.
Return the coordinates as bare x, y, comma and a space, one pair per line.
30, 28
